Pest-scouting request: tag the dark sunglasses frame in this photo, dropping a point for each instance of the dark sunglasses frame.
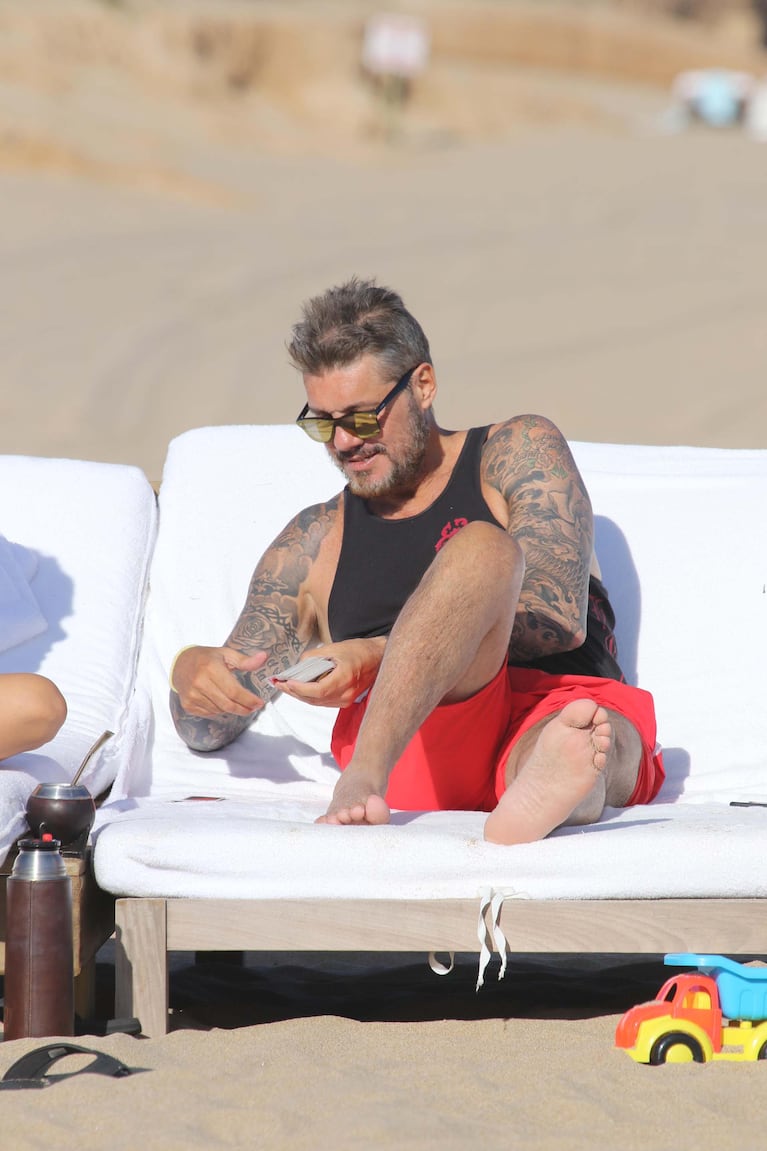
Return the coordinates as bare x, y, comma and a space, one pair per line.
363, 425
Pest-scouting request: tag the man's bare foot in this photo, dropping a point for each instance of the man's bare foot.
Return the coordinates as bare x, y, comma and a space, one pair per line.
565, 766
355, 801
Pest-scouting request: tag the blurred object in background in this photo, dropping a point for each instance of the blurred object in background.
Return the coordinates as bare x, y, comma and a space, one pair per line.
756, 113
760, 7
395, 51
715, 97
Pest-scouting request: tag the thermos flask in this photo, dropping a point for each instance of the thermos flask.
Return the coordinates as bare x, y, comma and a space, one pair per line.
39, 967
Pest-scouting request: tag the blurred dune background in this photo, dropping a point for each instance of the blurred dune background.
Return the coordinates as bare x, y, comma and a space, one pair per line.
175, 177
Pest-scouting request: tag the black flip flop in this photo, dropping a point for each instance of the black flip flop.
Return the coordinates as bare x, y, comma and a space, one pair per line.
31, 1070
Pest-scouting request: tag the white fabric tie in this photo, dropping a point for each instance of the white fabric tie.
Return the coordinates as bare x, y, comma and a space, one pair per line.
492, 936
438, 967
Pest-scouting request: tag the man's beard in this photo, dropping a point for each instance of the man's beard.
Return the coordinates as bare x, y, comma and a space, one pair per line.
406, 468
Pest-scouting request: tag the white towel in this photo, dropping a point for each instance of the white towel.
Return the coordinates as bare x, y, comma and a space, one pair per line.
20, 615
234, 849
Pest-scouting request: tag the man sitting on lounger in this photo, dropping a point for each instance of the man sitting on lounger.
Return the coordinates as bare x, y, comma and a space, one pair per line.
453, 583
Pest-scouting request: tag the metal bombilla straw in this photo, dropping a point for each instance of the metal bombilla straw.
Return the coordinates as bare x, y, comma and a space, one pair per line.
105, 735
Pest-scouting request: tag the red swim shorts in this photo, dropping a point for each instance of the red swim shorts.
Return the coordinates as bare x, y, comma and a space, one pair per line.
456, 760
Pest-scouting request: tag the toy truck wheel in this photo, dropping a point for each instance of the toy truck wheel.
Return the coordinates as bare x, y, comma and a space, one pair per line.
762, 1052
676, 1047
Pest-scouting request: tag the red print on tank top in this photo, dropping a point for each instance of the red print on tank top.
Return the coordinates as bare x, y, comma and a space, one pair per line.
596, 609
450, 529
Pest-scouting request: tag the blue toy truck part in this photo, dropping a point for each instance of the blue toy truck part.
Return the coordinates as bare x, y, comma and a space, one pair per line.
742, 990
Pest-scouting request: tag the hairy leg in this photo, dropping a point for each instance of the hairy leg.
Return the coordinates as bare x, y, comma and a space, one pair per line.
32, 709
564, 770
449, 641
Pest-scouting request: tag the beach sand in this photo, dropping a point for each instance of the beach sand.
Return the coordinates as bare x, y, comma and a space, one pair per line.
363, 1052
165, 209
565, 254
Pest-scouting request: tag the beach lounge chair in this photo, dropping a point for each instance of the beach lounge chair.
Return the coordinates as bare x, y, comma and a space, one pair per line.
220, 851
77, 540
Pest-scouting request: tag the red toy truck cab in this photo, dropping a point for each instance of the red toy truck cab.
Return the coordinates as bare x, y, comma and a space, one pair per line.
685, 1006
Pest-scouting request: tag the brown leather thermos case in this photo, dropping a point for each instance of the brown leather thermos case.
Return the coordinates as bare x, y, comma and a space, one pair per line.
39, 968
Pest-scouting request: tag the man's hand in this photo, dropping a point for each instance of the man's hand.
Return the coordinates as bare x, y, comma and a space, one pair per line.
357, 662
206, 686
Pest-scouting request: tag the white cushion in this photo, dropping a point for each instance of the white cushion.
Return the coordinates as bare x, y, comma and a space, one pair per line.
92, 528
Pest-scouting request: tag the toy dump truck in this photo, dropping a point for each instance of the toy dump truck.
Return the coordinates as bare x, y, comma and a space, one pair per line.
717, 1012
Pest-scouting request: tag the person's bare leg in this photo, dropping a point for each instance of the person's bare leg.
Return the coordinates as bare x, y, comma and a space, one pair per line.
449, 641
32, 709
564, 771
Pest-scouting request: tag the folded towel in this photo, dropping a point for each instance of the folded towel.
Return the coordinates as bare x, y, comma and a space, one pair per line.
20, 615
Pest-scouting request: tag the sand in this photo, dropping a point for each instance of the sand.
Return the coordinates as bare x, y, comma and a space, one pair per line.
170, 191
565, 253
362, 1053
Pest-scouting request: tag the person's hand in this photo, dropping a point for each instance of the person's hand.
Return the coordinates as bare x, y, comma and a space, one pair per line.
357, 662
205, 684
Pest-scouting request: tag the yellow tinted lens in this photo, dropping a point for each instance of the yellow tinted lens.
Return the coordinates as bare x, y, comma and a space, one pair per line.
363, 424
318, 429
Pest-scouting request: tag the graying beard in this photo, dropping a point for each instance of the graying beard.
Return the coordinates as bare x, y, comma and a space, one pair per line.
405, 472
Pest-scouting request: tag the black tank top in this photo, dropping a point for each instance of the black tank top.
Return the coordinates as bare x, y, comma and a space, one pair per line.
382, 562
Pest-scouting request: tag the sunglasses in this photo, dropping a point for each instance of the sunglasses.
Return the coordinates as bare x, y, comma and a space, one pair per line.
363, 425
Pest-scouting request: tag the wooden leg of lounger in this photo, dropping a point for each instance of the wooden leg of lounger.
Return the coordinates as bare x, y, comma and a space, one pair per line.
85, 990
141, 963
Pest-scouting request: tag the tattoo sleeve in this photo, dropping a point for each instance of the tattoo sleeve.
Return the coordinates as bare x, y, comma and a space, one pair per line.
206, 734
550, 516
277, 618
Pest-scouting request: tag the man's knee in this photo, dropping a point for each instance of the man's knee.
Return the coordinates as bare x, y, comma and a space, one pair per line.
590, 809
500, 554
623, 768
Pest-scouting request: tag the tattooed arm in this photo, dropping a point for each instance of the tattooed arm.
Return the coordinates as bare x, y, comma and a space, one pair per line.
217, 691
549, 514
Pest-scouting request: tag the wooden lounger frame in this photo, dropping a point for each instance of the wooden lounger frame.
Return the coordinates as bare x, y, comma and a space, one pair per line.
148, 929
